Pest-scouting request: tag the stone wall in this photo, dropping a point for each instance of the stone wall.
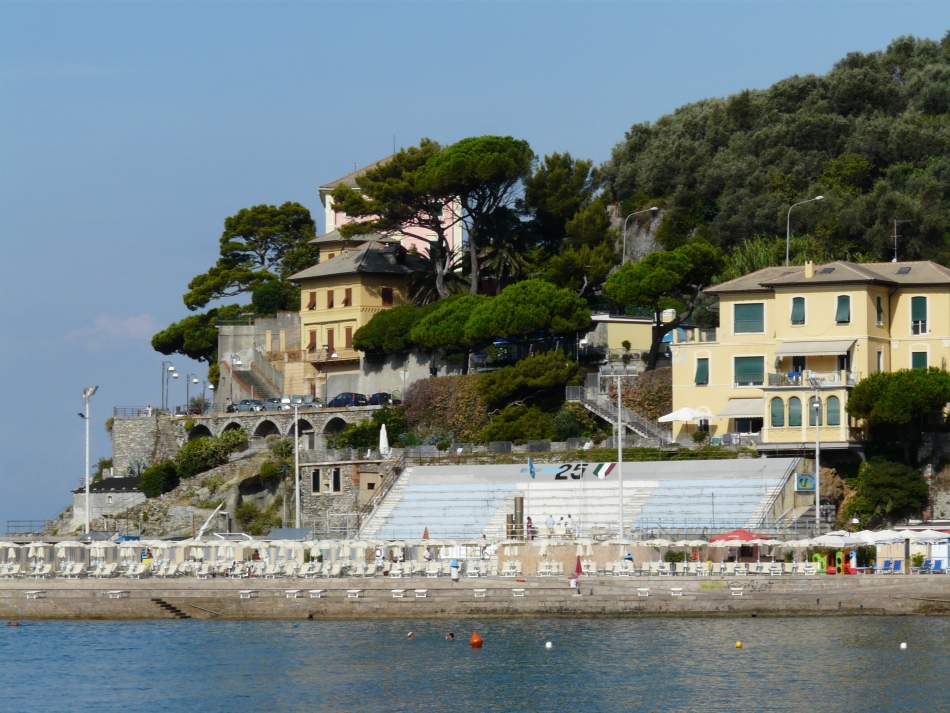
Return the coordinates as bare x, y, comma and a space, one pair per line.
328, 509
144, 439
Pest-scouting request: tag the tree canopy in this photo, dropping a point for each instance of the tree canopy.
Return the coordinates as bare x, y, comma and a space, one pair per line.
663, 280
872, 136
527, 379
887, 493
444, 326
196, 337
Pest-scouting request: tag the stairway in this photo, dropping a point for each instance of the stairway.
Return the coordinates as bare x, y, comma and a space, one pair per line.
386, 507
603, 406
260, 387
171, 609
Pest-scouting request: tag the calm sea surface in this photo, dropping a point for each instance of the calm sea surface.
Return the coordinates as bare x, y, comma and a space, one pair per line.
840, 664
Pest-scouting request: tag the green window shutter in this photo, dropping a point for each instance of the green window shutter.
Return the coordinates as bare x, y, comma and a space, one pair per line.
812, 411
918, 309
843, 314
702, 371
750, 370
798, 310
795, 411
778, 413
749, 318
833, 408
918, 360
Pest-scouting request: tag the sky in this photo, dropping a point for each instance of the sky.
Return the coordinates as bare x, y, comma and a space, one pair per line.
129, 131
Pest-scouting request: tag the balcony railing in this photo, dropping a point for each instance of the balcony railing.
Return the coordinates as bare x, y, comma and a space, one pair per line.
750, 379
826, 378
696, 336
320, 355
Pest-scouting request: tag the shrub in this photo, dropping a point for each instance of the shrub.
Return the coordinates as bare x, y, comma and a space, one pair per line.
213, 483
272, 473
159, 479
651, 394
674, 556
887, 492
548, 371
283, 448
255, 521
518, 424
573, 421
204, 454
109, 423
366, 434
700, 436
234, 440
452, 402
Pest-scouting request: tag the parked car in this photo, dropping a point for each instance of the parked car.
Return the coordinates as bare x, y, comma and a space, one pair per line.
311, 402
348, 398
249, 405
381, 399
274, 404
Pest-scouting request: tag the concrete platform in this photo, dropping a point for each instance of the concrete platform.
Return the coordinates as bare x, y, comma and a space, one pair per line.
546, 597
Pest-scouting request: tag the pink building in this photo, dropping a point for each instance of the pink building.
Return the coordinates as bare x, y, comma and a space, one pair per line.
418, 239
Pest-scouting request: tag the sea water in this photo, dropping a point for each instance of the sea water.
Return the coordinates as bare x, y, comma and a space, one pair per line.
800, 664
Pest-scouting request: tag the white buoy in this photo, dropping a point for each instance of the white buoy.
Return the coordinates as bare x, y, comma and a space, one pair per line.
903, 646
549, 645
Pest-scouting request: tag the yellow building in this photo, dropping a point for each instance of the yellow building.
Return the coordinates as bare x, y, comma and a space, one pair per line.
791, 335
355, 279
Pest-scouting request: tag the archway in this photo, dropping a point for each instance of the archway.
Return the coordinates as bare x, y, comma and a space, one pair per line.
334, 425
199, 431
232, 426
266, 428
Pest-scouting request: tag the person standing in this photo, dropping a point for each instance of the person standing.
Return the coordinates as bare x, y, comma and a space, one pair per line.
530, 529
549, 523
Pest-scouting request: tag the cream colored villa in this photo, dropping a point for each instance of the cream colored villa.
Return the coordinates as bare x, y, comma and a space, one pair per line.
791, 335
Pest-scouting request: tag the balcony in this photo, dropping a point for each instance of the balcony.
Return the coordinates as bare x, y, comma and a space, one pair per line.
826, 378
319, 356
695, 336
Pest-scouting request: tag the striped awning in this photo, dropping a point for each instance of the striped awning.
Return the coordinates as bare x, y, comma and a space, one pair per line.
835, 348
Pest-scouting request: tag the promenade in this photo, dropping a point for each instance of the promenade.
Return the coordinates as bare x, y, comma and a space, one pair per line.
483, 597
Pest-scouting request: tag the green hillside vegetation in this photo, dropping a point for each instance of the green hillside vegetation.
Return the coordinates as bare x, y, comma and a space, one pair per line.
872, 136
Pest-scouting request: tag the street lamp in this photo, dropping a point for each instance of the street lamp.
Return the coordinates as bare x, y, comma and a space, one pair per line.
167, 368
623, 255
816, 407
788, 224
194, 380
210, 387
296, 467
620, 452
326, 371
87, 394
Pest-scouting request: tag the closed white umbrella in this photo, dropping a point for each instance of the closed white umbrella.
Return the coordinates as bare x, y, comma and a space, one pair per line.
383, 441
345, 550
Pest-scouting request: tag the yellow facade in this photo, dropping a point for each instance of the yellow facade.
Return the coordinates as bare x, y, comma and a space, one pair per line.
789, 335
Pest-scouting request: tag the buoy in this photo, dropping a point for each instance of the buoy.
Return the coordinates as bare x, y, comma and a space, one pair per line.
549, 645
903, 646
476, 641
738, 644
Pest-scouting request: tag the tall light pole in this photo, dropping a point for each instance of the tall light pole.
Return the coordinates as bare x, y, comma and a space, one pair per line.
620, 452
788, 224
210, 387
87, 394
194, 380
296, 468
816, 409
623, 254
167, 367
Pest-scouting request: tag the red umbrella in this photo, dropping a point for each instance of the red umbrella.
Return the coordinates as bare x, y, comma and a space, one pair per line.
578, 570
739, 535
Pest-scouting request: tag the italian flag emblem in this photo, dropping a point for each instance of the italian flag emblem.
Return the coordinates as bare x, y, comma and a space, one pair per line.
603, 469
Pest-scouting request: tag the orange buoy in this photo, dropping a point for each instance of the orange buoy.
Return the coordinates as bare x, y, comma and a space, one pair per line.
476, 641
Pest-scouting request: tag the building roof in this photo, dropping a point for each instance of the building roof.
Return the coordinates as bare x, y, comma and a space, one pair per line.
893, 274
350, 178
334, 237
112, 485
373, 257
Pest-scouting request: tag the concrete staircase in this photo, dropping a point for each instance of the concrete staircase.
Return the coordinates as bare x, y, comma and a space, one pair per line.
385, 509
606, 408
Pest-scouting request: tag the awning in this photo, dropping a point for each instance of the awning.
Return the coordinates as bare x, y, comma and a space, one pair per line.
814, 348
742, 408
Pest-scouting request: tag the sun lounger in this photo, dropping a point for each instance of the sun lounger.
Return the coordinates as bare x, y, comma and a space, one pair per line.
938, 567
729, 569
43, 571
484, 569
171, 570
608, 568
204, 571
446, 569
14, 571
801, 568
370, 570
702, 569
471, 569
36, 594
811, 569
691, 569
418, 568
422, 593
788, 568
335, 570
736, 591
897, 567
395, 571
138, 571
289, 570
655, 569
107, 571
676, 591
317, 593
742, 570
272, 571
643, 591
432, 570
716, 569
775, 569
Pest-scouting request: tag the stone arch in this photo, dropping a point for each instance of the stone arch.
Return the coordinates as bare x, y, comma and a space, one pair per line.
335, 425
231, 426
199, 430
266, 428
303, 425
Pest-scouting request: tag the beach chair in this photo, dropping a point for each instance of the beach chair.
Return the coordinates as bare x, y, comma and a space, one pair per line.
654, 569
715, 569
396, 571
290, 569
357, 570
938, 567
691, 569
742, 570
484, 568
432, 570
137, 571
471, 569
702, 569
14, 571
447, 569
272, 571
418, 568
204, 571
608, 569
335, 569
493, 569
729, 569
664, 570
897, 567
171, 570
558, 568
775, 569
811, 569
75, 570
107, 571
370, 570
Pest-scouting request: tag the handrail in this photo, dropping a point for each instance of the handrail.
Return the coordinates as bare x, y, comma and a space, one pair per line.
386, 483
270, 382
608, 412
237, 379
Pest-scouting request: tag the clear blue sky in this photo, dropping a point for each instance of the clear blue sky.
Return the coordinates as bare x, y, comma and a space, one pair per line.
129, 131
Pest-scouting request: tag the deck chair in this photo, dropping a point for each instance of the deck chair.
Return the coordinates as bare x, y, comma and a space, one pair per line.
716, 569
938, 567
335, 570
446, 568
741, 569
608, 568
897, 567
137, 571
729, 569
885, 568
788, 568
775, 568
370, 570
14, 571
107, 571
43, 571
681, 568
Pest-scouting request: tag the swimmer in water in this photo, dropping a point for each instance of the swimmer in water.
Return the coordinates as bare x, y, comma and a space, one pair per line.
410, 636
450, 637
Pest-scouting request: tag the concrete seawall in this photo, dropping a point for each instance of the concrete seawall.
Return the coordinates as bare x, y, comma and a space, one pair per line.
598, 597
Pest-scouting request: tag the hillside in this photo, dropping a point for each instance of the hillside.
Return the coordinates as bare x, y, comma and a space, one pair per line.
872, 136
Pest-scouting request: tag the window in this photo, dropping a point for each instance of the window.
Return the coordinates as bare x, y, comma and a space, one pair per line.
387, 293
843, 313
879, 302
833, 411
880, 360
918, 360
814, 411
331, 256
798, 364
702, 372
749, 318
109, 499
330, 341
703, 425
795, 411
778, 413
348, 338
313, 340
826, 271
312, 304
348, 297
903, 270
798, 310
748, 425
337, 481
750, 371
918, 315
315, 480
329, 299
371, 485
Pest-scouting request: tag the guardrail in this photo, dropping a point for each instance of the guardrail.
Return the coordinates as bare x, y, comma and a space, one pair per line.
604, 407
393, 470
25, 527
134, 411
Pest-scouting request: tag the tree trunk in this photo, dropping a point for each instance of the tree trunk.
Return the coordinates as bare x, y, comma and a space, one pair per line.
440, 267
473, 255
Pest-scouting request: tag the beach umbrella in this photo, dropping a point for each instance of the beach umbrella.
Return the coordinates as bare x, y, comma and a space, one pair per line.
38, 549
383, 441
837, 541
658, 542
683, 414
345, 550
578, 569
929, 536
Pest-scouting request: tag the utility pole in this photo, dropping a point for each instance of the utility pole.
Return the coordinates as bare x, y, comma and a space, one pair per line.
620, 451
896, 223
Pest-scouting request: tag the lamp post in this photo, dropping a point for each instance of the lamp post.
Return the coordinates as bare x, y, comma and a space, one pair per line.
210, 387
326, 371
87, 394
296, 468
620, 452
623, 255
167, 368
194, 380
816, 409
788, 224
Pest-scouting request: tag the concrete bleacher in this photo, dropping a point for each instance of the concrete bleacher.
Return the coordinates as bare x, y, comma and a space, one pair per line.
470, 501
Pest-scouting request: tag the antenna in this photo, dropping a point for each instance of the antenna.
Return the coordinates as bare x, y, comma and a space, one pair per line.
394, 144
896, 222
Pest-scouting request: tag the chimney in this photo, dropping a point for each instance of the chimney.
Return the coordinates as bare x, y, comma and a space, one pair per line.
809, 269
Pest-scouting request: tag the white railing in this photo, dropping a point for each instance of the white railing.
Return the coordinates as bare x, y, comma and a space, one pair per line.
604, 406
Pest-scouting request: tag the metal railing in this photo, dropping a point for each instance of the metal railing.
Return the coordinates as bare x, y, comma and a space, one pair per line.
791, 379
750, 379
604, 406
832, 378
392, 470
133, 411
317, 355
24, 527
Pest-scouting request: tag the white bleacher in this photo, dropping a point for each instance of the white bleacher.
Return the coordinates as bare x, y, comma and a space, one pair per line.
471, 501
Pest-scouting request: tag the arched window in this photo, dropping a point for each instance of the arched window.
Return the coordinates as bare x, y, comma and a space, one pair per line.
794, 411
812, 411
778, 413
833, 409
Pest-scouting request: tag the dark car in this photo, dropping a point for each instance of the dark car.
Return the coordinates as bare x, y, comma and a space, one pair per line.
250, 405
381, 399
348, 398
